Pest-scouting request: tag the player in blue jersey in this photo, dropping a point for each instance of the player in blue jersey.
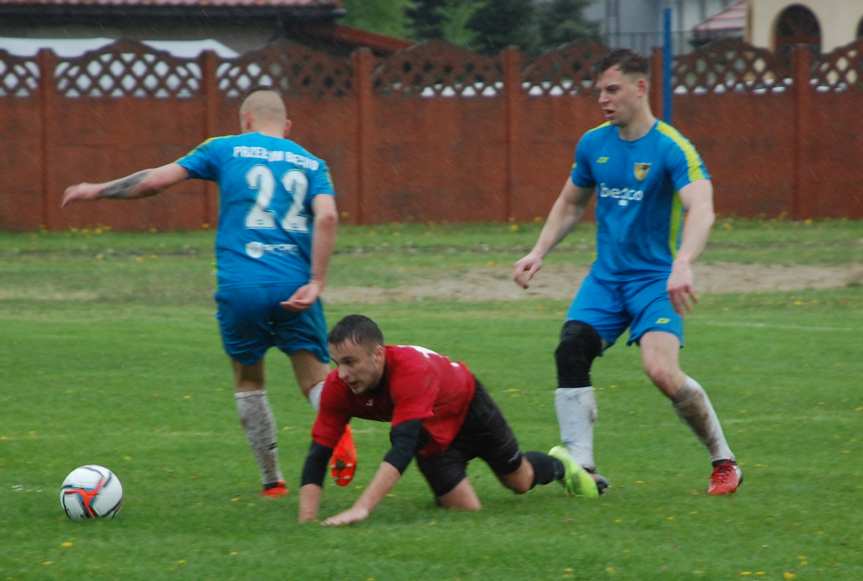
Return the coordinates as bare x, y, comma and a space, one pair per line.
654, 211
276, 233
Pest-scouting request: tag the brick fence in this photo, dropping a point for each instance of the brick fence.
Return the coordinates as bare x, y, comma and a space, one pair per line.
432, 133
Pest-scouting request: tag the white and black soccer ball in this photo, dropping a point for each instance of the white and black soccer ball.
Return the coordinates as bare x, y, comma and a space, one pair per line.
91, 491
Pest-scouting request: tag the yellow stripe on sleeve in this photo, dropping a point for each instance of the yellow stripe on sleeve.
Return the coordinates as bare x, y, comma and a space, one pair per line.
693, 161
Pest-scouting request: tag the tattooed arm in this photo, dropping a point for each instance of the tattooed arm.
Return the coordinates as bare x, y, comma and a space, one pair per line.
142, 184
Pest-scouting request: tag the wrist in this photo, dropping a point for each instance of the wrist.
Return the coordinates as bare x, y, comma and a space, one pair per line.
362, 508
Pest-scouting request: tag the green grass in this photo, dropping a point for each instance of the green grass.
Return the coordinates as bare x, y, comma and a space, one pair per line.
116, 360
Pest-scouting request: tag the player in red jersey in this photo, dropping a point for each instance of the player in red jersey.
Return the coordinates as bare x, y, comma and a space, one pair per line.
439, 413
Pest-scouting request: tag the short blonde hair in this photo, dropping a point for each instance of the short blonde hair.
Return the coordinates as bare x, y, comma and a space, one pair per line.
264, 105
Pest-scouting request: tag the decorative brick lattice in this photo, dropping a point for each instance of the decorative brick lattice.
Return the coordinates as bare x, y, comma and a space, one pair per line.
567, 70
128, 69
439, 69
19, 77
289, 68
840, 70
729, 65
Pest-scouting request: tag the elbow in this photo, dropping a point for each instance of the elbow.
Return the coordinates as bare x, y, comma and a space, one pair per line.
151, 185
327, 220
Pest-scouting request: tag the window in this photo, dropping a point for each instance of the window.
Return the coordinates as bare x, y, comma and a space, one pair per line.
796, 25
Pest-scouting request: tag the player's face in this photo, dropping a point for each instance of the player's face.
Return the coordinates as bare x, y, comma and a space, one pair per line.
620, 95
360, 366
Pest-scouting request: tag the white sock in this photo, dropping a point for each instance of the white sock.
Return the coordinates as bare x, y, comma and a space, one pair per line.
260, 426
693, 406
576, 414
315, 395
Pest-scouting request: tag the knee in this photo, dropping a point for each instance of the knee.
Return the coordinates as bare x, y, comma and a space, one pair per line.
579, 345
663, 376
472, 506
520, 489
466, 505
520, 486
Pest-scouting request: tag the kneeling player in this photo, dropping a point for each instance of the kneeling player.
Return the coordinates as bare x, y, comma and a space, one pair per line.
439, 413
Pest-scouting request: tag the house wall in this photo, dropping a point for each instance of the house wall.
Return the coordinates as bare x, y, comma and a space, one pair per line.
646, 15
839, 20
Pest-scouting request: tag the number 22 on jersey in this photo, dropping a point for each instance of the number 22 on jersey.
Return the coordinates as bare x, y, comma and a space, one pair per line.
260, 216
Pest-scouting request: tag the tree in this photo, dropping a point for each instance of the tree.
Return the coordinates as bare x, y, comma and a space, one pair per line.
560, 21
500, 23
426, 19
380, 16
446, 19
457, 13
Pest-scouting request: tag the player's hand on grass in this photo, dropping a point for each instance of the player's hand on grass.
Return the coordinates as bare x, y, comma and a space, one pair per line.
681, 288
350, 516
304, 297
79, 192
525, 269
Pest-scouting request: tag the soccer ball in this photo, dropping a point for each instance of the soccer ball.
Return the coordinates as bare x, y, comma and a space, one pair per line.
91, 492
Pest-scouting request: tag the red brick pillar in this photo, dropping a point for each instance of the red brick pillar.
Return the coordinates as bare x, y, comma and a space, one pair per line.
364, 64
210, 101
801, 202
655, 97
513, 99
47, 60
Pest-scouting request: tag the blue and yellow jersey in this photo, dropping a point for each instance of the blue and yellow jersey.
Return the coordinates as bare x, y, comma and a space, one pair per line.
266, 221
639, 216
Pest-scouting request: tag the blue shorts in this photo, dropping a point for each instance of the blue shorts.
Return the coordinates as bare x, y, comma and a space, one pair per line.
610, 307
251, 321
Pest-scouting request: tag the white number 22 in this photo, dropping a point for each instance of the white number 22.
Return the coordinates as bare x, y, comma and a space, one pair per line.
260, 217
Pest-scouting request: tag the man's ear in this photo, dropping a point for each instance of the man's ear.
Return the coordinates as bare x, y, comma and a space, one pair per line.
245, 121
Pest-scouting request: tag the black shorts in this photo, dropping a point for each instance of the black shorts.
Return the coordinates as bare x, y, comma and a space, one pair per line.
484, 434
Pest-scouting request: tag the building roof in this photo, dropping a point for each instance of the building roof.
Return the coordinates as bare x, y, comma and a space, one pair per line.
75, 47
331, 4
732, 18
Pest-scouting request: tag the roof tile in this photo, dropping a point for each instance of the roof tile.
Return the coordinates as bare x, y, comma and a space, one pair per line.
267, 3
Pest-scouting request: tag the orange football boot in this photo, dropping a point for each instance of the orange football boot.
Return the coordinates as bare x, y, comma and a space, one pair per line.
343, 463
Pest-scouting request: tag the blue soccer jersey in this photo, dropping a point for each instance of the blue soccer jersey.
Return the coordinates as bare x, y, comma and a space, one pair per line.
266, 188
639, 215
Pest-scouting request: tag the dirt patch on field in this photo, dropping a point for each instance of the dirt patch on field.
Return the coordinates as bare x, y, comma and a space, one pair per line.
559, 282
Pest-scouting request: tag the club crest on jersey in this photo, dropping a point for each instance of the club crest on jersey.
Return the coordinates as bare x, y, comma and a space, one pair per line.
640, 170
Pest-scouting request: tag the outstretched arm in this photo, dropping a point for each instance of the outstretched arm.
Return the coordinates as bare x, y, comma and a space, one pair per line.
697, 199
384, 480
148, 182
564, 215
404, 438
311, 486
326, 223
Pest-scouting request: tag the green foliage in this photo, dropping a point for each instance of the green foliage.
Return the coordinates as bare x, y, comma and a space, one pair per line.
426, 19
380, 16
457, 13
498, 24
561, 22
484, 25
442, 19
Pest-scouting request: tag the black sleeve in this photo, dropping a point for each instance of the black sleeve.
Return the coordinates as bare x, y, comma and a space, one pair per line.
315, 467
404, 438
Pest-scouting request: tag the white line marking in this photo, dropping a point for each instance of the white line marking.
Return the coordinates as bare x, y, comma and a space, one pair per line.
751, 325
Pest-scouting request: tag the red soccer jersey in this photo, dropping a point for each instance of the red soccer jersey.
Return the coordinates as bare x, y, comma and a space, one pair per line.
418, 384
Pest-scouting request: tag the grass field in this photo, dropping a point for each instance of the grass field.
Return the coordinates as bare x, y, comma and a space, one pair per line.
110, 355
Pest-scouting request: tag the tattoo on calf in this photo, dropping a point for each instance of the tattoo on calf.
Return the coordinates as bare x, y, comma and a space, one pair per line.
124, 187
